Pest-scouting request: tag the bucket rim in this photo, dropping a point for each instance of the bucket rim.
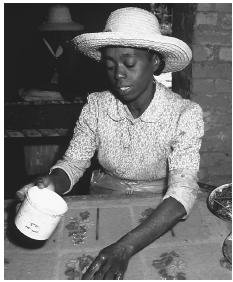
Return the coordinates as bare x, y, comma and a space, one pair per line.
42, 210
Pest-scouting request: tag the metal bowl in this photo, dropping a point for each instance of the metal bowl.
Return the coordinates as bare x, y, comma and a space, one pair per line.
227, 248
219, 202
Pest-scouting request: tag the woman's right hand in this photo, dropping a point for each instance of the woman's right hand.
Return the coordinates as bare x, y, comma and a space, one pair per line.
41, 182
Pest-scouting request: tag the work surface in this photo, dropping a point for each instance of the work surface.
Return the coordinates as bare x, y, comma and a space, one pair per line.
192, 251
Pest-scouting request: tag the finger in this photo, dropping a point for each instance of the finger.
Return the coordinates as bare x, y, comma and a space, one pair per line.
17, 207
99, 275
45, 182
114, 274
20, 194
119, 276
93, 268
42, 182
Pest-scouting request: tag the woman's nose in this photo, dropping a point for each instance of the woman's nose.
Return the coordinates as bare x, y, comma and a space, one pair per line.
120, 73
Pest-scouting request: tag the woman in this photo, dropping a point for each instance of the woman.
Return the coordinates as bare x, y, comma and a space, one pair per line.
144, 133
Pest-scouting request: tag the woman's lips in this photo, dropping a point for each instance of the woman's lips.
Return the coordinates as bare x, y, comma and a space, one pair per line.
124, 89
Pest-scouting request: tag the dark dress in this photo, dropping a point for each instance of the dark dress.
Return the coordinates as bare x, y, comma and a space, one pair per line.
78, 75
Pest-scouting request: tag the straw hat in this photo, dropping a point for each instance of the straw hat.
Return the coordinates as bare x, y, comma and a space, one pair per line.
59, 18
136, 27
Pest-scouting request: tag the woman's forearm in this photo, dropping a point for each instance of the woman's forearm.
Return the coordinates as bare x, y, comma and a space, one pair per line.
163, 218
61, 180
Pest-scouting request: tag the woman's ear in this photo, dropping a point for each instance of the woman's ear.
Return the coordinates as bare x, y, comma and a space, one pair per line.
156, 62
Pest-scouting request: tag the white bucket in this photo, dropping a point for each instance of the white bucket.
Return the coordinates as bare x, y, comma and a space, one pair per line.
40, 213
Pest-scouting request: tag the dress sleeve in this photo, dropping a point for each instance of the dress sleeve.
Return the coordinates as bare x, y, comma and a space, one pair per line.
184, 159
83, 144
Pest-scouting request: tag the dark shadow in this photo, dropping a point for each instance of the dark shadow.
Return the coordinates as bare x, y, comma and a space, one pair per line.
15, 236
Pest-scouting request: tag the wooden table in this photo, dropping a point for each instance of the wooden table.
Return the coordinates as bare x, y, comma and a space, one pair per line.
192, 251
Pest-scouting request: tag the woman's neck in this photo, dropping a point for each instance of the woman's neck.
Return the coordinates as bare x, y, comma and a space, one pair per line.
138, 107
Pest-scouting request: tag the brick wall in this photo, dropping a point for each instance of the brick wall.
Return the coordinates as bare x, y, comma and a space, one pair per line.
211, 88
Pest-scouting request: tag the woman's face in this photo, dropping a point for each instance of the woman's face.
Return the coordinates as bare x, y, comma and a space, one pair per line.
130, 72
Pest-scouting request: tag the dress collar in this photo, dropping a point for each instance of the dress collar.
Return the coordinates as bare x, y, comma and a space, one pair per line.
58, 52
117, 111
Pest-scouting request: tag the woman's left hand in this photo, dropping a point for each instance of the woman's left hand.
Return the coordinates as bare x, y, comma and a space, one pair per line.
110, 264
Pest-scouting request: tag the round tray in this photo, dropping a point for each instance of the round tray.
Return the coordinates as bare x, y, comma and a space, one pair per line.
220, 202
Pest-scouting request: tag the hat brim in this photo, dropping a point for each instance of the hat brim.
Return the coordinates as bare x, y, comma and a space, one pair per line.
176, 53
61, 26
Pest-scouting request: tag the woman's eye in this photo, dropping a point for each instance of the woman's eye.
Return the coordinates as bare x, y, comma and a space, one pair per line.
129, 64
109, 67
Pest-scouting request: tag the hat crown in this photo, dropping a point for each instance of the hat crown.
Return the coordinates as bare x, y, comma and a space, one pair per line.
135, 20
136, 28
59, 14
59, 19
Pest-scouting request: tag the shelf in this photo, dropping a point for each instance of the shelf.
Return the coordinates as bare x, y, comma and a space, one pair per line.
37, 115
78, 100
35, 133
